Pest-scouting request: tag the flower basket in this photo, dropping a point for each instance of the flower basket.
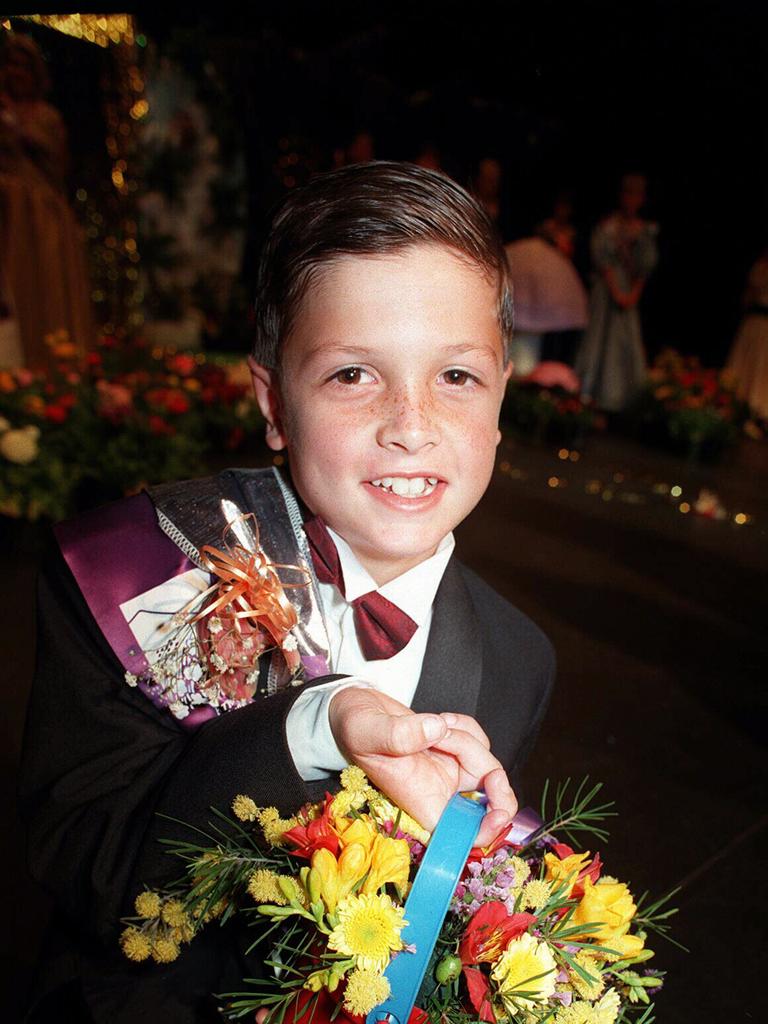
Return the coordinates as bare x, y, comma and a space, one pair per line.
534, 932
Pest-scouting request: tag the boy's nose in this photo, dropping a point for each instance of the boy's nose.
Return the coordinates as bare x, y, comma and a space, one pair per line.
409, 423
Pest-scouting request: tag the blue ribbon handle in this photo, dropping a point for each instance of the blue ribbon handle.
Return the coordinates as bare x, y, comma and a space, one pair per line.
427, 905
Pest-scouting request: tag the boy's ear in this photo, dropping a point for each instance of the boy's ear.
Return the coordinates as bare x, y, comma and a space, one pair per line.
507, 374
268, 396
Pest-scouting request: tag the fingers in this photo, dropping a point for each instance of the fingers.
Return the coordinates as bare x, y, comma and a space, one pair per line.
466, 724
494, 823
367, 723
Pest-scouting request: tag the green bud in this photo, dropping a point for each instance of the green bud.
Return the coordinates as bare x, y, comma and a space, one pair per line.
287, 887
315, 886
448, 969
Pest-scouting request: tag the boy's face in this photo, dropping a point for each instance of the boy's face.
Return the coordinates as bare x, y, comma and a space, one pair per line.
388, 400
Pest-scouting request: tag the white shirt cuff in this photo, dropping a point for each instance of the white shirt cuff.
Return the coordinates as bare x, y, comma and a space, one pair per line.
310, 740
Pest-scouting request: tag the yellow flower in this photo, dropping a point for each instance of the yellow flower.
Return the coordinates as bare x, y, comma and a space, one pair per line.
173, 913
536, 894
135, 944
346, 801
603, 1012
390, 862
164, 950
147, 904
20, 446
358, 830
365, 989
369, 930
354, 779
264, 887
590, 990
525, 973
273, 826
566, 870
609, 908
244, 808
327, 868
353, 864
384, 811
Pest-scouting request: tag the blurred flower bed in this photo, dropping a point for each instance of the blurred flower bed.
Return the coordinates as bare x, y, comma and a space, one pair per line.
692, 410
546, 406
126, 416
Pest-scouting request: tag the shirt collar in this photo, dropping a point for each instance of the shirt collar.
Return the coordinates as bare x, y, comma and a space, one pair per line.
413, 591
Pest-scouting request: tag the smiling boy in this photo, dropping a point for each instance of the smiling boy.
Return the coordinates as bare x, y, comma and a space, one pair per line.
381, 359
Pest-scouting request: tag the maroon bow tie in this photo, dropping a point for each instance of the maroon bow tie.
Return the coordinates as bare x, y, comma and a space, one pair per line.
382, 628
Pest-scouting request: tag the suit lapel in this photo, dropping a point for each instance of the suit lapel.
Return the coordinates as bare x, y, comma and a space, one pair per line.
452, 670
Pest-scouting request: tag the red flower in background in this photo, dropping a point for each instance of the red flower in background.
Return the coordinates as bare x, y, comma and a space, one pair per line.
182, 363
56, 413
159, 427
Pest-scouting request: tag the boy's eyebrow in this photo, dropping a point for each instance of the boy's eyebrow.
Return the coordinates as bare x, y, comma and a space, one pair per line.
462, 348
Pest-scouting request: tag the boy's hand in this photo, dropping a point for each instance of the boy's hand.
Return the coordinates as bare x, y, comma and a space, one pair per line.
421, 761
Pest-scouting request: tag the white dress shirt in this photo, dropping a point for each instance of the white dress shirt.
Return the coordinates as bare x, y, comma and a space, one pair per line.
310, 740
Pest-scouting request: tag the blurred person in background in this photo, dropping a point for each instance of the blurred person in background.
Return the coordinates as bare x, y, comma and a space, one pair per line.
611, 360
748, 358
42, 264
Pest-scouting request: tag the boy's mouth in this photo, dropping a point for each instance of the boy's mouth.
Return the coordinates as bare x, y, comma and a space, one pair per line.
407, 487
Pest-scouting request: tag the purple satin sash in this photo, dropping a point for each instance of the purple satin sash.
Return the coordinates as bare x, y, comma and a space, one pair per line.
116, 553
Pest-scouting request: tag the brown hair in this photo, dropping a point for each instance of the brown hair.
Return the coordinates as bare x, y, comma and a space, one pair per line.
367, 209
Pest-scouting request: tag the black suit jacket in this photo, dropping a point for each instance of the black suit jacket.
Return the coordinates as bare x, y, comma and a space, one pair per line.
101, 762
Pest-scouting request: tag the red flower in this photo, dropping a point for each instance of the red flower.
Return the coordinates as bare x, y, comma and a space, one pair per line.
184, 364
490, 931
159, 427
478, 988
176, 402
93, 359
56, 413
317, 834
323, 1008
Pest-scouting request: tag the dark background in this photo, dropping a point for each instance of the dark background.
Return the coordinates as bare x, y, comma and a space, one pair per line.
565, 95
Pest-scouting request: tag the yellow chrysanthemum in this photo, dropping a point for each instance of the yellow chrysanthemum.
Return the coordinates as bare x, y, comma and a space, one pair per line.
365, 989
590, 990
147, 904
536, 894
164, 949
603, 1012
526, 966
173, 913
264, 887
135, 944
244, 808
369, 930
273, 826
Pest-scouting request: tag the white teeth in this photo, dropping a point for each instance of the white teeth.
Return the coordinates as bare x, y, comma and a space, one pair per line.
407, 487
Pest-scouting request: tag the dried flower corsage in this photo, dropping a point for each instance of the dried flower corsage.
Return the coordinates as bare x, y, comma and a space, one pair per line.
211, 660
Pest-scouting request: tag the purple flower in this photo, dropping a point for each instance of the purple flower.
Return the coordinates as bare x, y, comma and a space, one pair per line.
477, 888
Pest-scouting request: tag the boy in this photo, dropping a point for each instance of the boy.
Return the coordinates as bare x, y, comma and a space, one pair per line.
383, 322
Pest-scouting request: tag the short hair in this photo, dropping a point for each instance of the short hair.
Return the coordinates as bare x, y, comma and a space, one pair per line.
368, 209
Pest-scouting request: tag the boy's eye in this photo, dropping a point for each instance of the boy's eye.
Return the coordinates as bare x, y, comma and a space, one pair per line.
351, 375
458, 377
